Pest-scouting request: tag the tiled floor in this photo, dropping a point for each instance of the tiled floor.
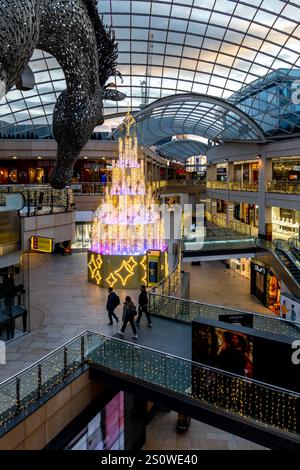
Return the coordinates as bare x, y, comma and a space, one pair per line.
212, 283
63, 304
161, 435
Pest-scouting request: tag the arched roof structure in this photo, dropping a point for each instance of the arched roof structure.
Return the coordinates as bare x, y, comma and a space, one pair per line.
228, 49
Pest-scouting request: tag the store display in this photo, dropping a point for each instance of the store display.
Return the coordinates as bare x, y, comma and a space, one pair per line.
285, 226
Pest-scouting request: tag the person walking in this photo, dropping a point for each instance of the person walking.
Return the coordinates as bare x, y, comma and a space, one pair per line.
113, 300
143, 306
129, 312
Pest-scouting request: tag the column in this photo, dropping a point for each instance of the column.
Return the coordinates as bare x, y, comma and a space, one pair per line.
229, 212
229, 205
264, 212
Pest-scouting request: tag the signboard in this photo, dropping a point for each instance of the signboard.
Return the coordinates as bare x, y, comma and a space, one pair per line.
41, 244
153, 262
289, 307
259, 269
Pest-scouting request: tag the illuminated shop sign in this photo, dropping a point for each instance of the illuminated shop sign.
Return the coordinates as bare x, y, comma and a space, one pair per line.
41, 244
259, 269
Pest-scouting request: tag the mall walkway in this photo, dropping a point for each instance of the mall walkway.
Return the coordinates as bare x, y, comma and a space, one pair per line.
212, 283
161, 434
63, 304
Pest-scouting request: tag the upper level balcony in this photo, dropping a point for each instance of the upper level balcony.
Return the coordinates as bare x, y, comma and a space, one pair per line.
38, 199
233, 185
286, 187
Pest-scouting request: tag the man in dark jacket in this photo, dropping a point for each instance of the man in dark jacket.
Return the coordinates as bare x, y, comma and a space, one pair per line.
143, 306
112, 302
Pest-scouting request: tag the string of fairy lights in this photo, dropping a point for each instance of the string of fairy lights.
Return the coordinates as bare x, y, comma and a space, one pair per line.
263, 404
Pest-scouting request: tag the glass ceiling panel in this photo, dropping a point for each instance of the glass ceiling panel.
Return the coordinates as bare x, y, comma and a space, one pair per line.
218, 47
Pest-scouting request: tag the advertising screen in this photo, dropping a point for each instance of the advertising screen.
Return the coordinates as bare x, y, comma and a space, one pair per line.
223, 349
105, 431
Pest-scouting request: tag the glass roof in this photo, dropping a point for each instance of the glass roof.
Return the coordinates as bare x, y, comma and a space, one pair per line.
214, 47
182, 149
192, 113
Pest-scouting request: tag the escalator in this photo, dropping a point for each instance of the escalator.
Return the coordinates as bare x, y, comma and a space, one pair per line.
284, 257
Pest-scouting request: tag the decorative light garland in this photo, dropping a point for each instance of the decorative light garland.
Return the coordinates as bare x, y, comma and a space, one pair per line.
128, 222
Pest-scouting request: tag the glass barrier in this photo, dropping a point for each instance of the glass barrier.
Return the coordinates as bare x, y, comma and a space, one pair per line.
240, 396
170, 284
290, 187
187, 311
41, 199
235, 243
233, 185
234, 225
89, 188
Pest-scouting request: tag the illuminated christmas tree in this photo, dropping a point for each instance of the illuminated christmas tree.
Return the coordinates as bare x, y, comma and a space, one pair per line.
127, 224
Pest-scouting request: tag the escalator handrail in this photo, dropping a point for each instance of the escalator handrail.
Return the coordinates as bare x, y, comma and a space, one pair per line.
271, 246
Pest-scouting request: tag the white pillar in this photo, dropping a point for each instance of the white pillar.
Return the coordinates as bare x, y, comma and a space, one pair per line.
264, 212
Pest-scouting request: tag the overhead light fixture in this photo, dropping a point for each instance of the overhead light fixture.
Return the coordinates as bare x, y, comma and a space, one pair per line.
14, 158
39, 158
85, 158
258, 156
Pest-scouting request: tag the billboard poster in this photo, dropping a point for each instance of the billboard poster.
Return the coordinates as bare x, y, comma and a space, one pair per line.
289, 307
224, 349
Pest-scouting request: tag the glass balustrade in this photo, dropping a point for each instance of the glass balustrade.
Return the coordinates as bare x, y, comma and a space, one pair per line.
199, 384
41, 199
187, 311
233, 185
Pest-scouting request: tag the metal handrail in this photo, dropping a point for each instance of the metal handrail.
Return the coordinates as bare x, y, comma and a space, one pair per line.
230, 309
95, 354
41, 198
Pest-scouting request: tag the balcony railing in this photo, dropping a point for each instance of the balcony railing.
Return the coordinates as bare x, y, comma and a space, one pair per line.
171, 283
41, 199
289, 187
216, 185
233, 185
189, 183
89, 188
234, 225
241, 397
187, 311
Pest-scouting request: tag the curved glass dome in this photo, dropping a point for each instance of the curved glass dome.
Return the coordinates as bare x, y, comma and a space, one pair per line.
214, 47
194, 113
182, 149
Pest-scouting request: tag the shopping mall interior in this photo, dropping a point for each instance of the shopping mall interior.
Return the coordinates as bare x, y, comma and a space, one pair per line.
150, 225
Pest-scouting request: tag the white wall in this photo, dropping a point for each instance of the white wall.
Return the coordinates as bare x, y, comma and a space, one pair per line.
60, 226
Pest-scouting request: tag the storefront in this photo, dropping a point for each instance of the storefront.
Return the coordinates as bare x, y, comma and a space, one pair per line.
92, 171
38, 171
26, 171
246, 172
83, 230
285, 223
286, 170
241, 266
221, 206
265, 286
246, 213
222, 172
14, 287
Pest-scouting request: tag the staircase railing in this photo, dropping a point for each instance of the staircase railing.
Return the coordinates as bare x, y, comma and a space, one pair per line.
241, 397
